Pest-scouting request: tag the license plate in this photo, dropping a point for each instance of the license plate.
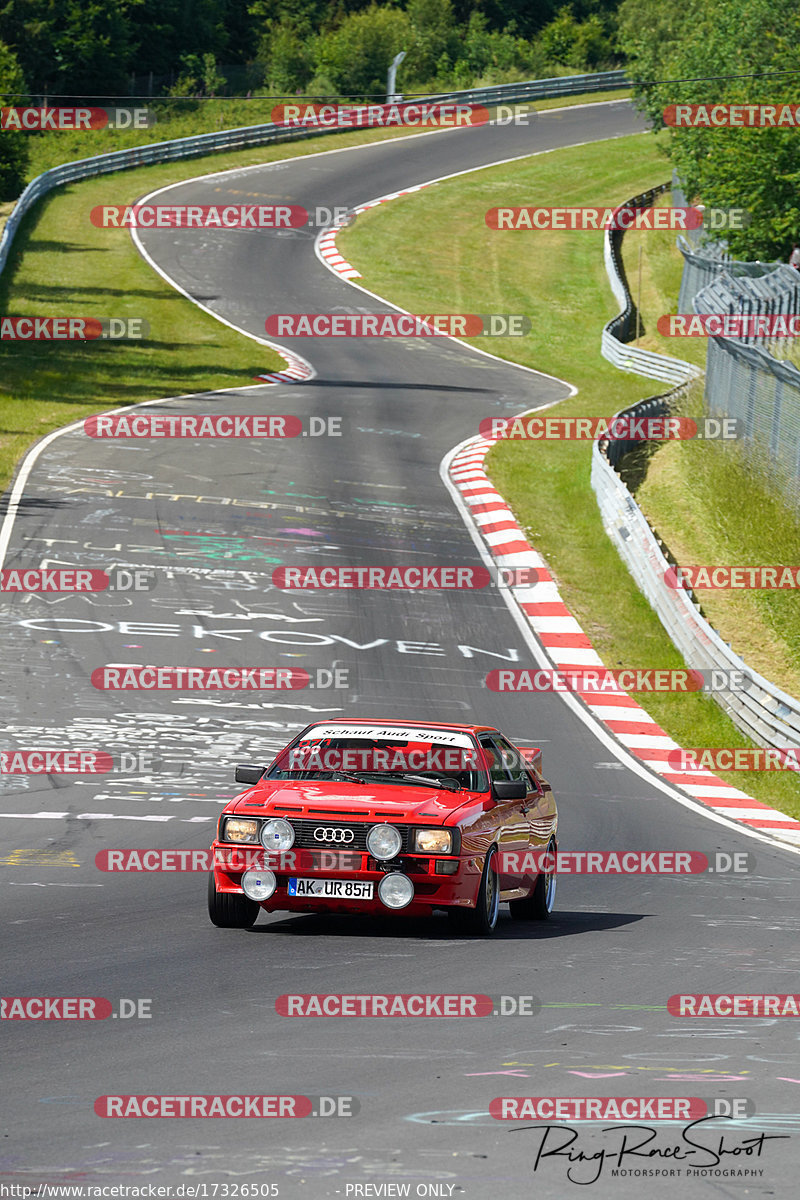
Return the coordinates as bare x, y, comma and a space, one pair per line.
339, 889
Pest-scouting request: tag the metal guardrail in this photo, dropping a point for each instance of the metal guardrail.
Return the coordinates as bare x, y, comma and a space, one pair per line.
748, 379
704, 262
749, 376
141, 156
615, 339
776, 292
541, 89
259, 135
765, 713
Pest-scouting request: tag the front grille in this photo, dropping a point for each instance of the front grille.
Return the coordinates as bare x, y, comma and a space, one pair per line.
304, 834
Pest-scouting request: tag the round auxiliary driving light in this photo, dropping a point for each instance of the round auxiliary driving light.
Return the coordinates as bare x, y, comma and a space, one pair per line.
384, 841
277, 834
259, 885
396, 890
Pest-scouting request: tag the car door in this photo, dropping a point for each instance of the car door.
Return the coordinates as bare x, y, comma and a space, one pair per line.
538, 806
512, 829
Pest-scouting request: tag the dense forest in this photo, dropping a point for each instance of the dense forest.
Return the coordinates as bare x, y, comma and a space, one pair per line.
109, 48
725, 52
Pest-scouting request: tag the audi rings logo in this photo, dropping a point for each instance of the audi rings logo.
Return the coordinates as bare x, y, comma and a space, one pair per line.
326, 833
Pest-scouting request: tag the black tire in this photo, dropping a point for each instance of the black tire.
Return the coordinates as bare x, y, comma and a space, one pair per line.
539, 905
230, 910
481, 921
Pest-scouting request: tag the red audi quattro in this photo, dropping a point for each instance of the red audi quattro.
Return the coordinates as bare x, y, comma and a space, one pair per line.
377, 817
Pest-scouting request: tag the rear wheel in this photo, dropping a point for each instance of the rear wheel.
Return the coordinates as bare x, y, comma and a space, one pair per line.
230, 910
539, 905
482, 919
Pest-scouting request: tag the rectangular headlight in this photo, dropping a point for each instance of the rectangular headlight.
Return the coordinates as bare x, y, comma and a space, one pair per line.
234, 829
433, 841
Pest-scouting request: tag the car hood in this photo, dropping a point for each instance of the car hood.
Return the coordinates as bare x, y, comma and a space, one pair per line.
351, 801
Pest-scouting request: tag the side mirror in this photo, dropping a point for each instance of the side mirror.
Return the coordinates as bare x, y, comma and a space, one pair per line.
510, 789
248, 774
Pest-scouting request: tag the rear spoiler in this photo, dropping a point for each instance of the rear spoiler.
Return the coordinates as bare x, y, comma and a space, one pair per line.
532, 755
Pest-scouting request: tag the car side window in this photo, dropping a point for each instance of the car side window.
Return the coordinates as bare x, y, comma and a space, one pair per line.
515, 763
497, 771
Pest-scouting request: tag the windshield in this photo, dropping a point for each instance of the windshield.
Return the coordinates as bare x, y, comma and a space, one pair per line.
384, 757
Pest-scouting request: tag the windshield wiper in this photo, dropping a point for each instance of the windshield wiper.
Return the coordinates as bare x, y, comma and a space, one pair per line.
445, 781
437, 781
312, 776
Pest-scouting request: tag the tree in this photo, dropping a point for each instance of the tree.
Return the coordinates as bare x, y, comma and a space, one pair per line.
523, 17
357, 55
28, 27
726, 50
13, 142
165, 32
92, 50
199, 76
68, 47
435, 40
582, 45
287, 49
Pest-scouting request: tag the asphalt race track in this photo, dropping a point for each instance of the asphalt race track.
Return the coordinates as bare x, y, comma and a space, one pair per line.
213, 519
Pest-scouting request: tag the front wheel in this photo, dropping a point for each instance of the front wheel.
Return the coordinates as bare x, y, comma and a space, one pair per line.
230, 910
539, 905
482, 919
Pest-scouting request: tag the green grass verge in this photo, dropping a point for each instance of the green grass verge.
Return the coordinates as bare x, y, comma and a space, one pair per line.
432, 252
61, 265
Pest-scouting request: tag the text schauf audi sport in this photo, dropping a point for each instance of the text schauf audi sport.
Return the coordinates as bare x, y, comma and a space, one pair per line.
597, 1108
185, 425
43, 117
188, 679
615, 679
226, 1106
358, 116
621, 428
733, 578
730, 325
457, 325
721, 116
